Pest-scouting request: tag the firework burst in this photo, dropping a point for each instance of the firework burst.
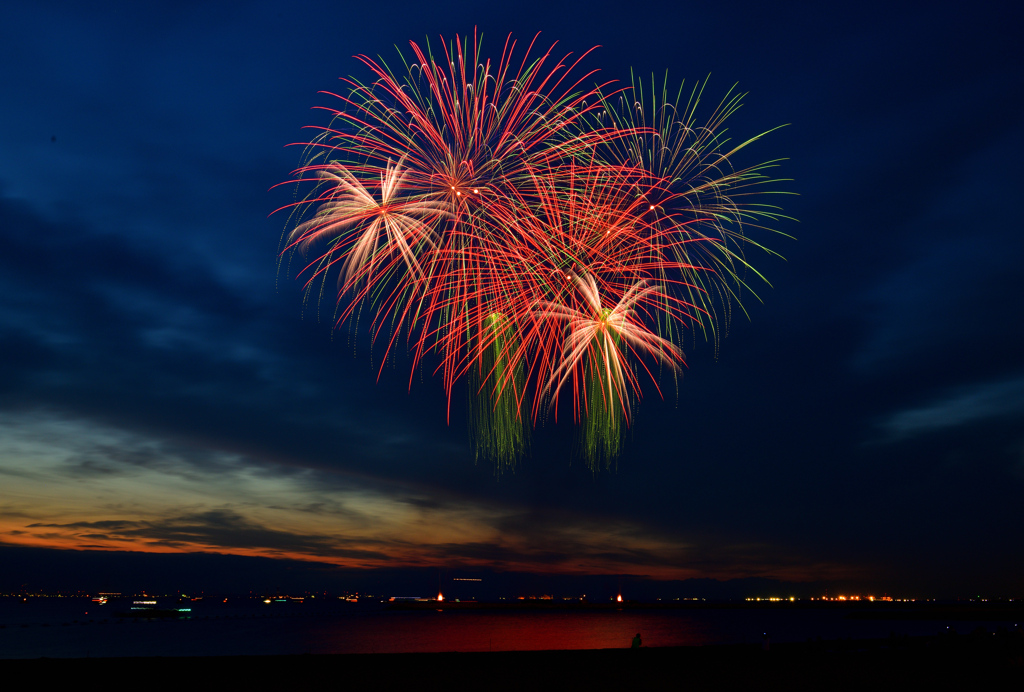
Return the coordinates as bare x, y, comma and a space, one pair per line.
535, 237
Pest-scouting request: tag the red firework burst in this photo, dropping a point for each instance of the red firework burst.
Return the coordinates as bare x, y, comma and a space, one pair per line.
508, 220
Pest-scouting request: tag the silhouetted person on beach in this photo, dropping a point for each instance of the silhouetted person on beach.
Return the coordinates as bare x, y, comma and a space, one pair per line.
637, 642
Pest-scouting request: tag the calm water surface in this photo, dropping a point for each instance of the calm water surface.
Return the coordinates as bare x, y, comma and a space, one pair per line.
80, 628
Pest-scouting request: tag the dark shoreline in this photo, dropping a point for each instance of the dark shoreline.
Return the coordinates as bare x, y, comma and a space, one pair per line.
945, 661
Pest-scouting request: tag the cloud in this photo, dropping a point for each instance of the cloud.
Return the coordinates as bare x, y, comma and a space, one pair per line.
97, 325
101, 488
945, 277
218, 530
964, 407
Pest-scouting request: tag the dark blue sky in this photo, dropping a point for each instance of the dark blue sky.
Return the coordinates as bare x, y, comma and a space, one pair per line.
161, 389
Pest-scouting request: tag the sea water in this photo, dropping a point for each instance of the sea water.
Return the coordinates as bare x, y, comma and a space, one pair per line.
79, 628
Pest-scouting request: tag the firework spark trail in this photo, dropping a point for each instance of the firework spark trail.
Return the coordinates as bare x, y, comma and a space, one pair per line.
695, 192
349, 204
526, 230
593, 337
464, 138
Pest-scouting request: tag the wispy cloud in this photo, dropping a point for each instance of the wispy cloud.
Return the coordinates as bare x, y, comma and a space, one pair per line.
222, 530
962, 407
96, 487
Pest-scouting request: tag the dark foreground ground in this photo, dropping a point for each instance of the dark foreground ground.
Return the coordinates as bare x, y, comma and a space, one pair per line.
973, 661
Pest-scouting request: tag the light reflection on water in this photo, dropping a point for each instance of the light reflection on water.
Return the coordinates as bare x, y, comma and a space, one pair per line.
518, 631
78, 628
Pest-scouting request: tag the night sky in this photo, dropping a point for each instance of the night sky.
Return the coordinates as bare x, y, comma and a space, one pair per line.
162, 389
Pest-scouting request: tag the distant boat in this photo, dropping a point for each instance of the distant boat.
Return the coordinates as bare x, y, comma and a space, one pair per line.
148, 609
